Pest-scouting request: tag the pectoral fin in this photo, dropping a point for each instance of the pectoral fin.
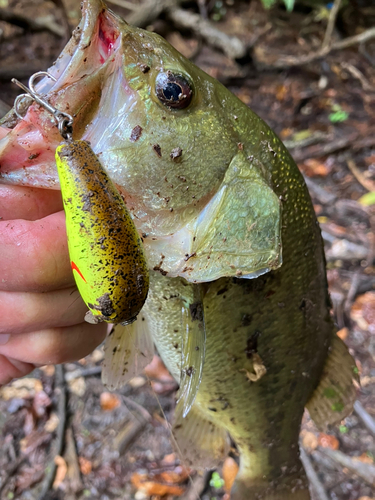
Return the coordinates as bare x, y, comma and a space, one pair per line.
239, 231
334, 397
127, 350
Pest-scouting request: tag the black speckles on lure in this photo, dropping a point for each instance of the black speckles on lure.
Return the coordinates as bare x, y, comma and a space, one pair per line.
105, 250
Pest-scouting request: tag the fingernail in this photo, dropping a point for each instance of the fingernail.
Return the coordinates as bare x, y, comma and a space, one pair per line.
4, 337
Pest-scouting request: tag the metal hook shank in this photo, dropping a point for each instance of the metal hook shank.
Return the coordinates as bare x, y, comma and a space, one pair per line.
64, 120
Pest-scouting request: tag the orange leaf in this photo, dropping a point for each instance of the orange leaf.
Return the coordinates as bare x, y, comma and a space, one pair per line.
109, 401
141, 482
309, 440
364, 458
230, 469
85, 465
327, 441
313, 167
343, 333
61, 471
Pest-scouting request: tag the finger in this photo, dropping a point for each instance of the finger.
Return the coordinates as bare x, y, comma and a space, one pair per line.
34, 255
52, 346
27, 312
11, 368
19, 202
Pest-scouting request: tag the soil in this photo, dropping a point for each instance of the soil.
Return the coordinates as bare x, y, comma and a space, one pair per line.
325, 113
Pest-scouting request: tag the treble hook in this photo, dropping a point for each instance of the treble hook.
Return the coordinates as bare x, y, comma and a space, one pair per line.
63, 120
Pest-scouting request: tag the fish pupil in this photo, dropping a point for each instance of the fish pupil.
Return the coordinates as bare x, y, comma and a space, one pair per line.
172, 91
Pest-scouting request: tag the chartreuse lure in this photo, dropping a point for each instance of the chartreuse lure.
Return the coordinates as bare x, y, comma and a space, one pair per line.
105, 250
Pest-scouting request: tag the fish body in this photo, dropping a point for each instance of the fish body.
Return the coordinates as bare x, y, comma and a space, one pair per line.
238, 306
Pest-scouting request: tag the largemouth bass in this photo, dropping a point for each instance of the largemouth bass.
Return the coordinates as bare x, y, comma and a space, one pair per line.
238, 306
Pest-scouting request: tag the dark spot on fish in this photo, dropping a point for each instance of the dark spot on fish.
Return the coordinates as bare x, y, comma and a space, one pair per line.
240, 146
175, 154
157, 149
221, 291
144, 235
33, 156
144, 67
189, 371
252, 344
197, 347
136, 133
246, 319
114, 350
302, 305
161, 271
175, 345
196, 311
212, 409
269, 294
187, 256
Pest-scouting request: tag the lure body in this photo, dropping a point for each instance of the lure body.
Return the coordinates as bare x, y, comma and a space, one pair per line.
105, 250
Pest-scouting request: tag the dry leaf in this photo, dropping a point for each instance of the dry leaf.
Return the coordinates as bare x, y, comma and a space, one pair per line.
77, 386
85, 465
363, 311
230, 469
60, 471
21, 388
364, 458
327, 441
109, 401
52, 423
314, 167
309, 440
343, 333
141, 482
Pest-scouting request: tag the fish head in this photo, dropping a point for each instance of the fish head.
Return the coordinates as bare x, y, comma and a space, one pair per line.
170, 138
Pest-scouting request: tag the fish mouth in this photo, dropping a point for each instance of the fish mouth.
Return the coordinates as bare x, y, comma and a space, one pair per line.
27, 146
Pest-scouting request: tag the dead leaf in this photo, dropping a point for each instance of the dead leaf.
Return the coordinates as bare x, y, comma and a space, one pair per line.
327, 441
142, 482
85, 465
230, 469
314, 167
77, 386
24, 388
161, 380
364, 458
343, 333
309, 440
60, 471
363, 311
52, 423
109, 401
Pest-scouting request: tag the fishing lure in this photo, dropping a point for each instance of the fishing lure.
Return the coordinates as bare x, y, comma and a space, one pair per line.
105, 250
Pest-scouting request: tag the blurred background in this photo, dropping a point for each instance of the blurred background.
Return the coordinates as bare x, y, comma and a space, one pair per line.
308, 69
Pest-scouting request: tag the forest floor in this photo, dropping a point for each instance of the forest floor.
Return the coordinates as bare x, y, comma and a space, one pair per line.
321, 103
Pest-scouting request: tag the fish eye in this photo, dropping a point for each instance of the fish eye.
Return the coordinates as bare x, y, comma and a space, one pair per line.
173, 90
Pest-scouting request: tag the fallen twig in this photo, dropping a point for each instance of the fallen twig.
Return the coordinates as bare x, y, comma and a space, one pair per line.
358, 75
365, 417
323, 196
85, 372
363, 470
39, 24
313, 476
150, 10
284, 62
331, 24
366, 183
230, 45
60, 390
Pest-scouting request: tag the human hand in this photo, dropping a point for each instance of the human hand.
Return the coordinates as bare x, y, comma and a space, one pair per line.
41, 311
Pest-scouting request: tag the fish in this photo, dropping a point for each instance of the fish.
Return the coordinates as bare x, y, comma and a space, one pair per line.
238, 305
